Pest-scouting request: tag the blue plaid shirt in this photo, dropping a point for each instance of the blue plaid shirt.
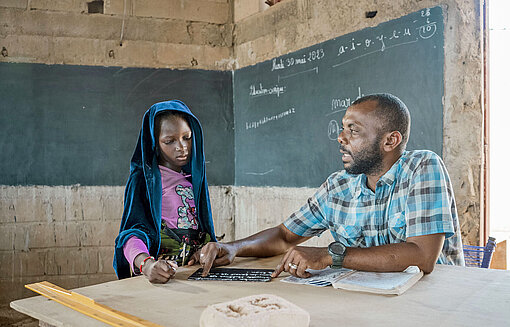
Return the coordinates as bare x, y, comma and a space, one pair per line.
415, 197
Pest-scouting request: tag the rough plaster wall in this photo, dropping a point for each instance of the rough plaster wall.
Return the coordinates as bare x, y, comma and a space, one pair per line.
294, 24
464, 114
164, 33
222, 205
258, 208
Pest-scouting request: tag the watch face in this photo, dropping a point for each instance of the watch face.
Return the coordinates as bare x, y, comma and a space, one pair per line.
337, 248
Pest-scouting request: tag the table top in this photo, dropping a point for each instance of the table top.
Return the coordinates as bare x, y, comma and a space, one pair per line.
450, 295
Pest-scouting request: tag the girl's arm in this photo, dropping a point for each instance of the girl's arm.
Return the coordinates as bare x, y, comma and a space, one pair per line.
160, 271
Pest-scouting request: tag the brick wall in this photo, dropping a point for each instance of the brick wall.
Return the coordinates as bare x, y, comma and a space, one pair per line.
61, 234
165, 33
66, 234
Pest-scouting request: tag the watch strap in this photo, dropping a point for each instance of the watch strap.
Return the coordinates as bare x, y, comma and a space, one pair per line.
337, 258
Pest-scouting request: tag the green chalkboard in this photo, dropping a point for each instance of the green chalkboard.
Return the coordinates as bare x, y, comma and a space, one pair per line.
65, 125
288, 110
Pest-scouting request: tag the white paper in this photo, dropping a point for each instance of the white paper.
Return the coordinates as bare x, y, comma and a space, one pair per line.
319, 278
379, 282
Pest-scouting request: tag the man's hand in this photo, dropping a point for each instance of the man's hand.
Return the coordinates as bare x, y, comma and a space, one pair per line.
267, 243
159, 272
213, 254
300, 258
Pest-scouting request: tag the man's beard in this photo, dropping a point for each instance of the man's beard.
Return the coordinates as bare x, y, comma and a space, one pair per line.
368, 161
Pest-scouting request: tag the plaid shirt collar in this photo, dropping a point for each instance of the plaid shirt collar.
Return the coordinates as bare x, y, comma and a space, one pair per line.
388, 178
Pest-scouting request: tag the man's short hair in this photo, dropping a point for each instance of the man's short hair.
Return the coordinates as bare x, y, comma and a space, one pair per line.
393, 113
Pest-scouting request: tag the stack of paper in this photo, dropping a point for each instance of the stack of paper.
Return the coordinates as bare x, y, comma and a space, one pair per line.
363, 281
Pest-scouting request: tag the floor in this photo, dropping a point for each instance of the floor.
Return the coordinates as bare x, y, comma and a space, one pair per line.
11, 317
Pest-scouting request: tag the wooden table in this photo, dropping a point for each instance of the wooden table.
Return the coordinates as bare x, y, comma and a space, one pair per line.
449, 296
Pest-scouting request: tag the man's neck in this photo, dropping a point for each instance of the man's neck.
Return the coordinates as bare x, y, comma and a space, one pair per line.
372, 180
388, 162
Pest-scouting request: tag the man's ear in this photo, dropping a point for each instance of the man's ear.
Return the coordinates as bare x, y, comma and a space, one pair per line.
391, 141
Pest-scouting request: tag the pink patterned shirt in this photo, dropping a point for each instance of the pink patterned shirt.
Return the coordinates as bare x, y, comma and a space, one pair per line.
177, 210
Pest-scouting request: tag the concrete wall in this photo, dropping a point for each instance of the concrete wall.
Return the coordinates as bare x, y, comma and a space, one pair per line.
162, 33
65, 234
257, 208
62, 234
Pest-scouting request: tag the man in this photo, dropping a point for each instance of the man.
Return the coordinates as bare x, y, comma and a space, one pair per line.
387, 210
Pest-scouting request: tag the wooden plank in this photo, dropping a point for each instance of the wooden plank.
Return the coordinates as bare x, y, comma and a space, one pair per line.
88, 306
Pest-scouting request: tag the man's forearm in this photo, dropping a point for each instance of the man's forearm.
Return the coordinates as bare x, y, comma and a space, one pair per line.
269, 242
421, 251
389, 257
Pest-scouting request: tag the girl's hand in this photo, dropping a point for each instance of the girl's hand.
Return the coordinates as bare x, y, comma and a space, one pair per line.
159, 272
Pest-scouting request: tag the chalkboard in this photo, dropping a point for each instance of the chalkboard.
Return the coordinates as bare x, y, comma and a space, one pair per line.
288, 110
64, 125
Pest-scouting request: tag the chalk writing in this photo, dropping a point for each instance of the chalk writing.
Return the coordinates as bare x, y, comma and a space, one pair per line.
300, 61
295, 61
260, 174
425, 12
428, 30
315, 55
399, 36
403, 34
286, 62
275, 90
369, 53
381, 38
333, 130
341, 104
315, 69
277, 64
266, 119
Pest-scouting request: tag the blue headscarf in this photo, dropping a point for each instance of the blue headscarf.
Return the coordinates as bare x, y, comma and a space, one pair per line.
142, 197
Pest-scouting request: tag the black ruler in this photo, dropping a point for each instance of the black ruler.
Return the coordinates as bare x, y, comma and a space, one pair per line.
234, 274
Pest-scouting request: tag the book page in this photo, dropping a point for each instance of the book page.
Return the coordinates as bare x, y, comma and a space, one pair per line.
319, 278
379, 282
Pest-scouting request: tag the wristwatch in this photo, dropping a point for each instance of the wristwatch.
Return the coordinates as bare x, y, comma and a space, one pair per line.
337, 252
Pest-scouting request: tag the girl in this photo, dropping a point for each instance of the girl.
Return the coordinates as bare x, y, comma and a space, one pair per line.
167, 214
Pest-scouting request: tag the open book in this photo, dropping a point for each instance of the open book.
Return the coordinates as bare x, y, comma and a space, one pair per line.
379, 282
363, 281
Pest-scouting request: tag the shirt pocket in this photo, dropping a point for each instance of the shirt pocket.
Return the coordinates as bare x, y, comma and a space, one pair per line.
350, 235
397, 227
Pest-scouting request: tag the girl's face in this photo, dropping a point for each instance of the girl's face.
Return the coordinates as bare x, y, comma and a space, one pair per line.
174, 143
